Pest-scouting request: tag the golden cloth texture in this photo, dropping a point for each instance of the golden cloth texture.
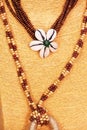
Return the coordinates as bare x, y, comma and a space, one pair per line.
68, 105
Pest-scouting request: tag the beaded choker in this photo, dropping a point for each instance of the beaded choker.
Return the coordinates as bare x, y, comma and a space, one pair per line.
43, 42
39, 115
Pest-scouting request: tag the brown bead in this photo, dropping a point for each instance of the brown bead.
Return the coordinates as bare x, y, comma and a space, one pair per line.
15, 57
9, 34
38, 120
41, 110
30, 99
2, 9
83, 31
86, 29
32, 108
44, 97
52, 88
80, 43
68, 66
24, 87
24, 82
20, 71
85, 19
14, 47
61, 77
75, 54
45, 122
32, 118
5, 21
11, 46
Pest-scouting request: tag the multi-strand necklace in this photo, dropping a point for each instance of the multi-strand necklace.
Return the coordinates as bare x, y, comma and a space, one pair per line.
39, 115
43, 42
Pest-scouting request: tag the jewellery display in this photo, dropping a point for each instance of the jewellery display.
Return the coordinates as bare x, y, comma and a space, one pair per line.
22, 17
39, 115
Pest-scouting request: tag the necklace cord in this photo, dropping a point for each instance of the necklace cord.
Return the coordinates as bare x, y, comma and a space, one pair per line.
22, 17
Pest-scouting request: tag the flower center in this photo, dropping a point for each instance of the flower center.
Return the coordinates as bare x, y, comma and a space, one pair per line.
46, 43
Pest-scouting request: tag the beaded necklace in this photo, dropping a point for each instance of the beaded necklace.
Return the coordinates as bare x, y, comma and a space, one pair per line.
43, 42
39, 115
22, 17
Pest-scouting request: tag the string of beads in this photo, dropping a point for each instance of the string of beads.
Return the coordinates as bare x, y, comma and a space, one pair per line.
38, 112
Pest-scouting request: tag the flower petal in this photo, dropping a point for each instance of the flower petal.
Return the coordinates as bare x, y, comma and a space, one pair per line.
36, 45
40, 35
44, 52
51, 34
53, 46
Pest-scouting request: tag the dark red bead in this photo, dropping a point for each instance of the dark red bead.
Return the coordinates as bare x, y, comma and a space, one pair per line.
29, 98
44, 97
83, 31
24, 82
32, 118
14, 47
86, 29
15, 57
61, 77
9, 34
41, 110
38, 120
32, 108
68, 66
2, 9
20, 71
5, 21
85, 19
80, 43
75, 54
10, 45
46, 122
52, 88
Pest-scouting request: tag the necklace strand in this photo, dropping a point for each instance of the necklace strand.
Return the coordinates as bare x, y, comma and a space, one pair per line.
38, 109
22, 17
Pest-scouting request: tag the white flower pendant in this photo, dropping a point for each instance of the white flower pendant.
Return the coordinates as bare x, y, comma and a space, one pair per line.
44, 42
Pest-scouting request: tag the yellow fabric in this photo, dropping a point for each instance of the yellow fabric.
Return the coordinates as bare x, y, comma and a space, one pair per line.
68, 105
